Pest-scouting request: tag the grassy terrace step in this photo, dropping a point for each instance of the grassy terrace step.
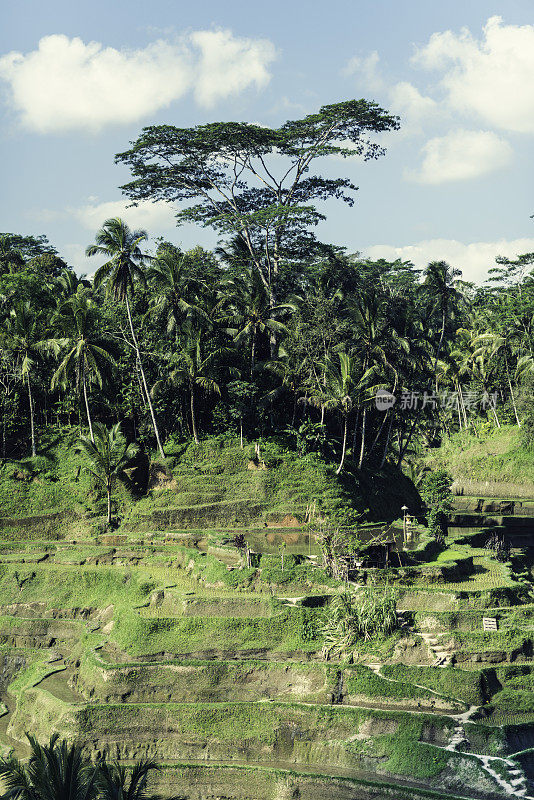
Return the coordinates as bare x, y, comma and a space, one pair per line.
215, 681
466, 619
240, 781
222, 514
482, 505
264, 732
290, 630
35, 632
473, 687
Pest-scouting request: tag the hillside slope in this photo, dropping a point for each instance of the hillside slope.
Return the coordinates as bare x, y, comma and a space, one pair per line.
492, 464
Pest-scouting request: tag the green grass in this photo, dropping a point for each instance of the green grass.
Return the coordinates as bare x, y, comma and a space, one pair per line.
457, 684
360, 680
295, 629
492, 456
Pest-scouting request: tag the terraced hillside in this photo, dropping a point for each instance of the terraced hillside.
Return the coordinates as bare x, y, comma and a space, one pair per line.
159, 640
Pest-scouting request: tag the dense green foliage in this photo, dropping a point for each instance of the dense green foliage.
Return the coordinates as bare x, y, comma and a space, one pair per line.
274, 332
60, 770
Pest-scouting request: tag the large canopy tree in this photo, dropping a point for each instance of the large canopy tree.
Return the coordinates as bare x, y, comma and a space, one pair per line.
255, 182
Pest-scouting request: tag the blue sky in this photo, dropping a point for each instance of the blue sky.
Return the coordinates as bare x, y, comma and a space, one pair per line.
78, 81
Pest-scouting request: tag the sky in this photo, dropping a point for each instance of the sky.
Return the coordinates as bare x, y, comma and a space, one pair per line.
79, 80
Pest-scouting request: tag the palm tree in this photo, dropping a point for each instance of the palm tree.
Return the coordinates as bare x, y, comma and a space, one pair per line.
89, 357
192, 369
69, 283
440, 289
343, 382
117, 782
60, 771
22, 334
252, 313
494, 346
56, 771
119, 274
176, 289
380, 349
106, 457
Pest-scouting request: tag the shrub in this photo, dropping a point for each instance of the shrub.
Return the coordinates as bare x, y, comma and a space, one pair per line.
350, 617
435, 490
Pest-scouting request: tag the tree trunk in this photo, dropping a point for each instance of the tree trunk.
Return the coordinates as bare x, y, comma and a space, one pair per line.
294, 417
512, 393
87, 408
192, 408
32, 422
438, 351
362, 448
385, 419
402, 450
355, 432
338, 470
147, 393
386, 444
252, 351
109, 504
241, 431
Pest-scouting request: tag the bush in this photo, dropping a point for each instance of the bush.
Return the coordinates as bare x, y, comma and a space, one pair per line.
435, 490
350, 617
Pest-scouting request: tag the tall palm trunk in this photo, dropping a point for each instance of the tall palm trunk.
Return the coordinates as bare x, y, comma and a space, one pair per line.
252, 351
143, 378
386, 443
440, 343
362, 448
338, 470
108, 489
84, 382
512, 393
192, 408
32, 422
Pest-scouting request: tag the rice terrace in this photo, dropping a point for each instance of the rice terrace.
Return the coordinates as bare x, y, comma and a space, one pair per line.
266, 482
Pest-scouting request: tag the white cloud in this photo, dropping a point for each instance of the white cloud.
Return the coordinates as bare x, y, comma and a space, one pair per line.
461, 155
66, 84
365, 70
408, 102
492, 78
473, 259
74, 255
229, 64
151, 216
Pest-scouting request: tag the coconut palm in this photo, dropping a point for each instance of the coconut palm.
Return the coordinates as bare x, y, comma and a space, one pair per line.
444, 299
495, 346
106, 457
192, 369
23, 336
69, 283
379, 348
176, 289
60, 770
56, 771
124, 269
117, 782
252, 313
343, 382
89, 358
